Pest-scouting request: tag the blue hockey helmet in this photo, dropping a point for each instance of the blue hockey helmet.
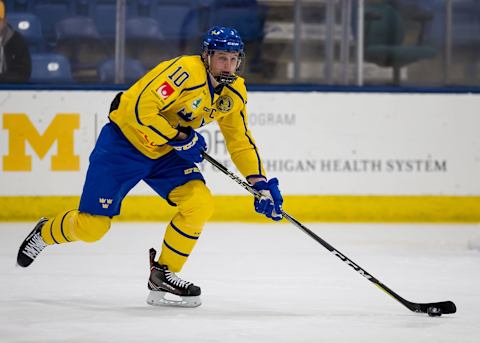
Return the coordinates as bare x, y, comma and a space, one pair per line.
219, 38
223, 39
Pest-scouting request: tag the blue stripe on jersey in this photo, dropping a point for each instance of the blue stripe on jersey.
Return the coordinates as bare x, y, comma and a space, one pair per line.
181, 232
251, 142
183, 90
159, 133
192, 88
138, 101
167, 106
245, 127
236, 92
174, 250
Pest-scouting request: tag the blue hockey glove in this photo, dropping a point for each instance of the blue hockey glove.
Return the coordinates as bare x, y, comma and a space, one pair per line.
190, 148
270, 203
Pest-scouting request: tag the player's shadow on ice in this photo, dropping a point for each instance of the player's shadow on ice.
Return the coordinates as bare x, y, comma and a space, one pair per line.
213, 311
140, 310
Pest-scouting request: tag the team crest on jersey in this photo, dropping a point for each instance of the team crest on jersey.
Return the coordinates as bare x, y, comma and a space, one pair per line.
224, 103
165, 90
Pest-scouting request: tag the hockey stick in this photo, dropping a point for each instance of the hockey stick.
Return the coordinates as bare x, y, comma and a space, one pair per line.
432, 309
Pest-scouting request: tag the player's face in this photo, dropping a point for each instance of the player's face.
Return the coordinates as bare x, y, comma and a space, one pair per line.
222, 62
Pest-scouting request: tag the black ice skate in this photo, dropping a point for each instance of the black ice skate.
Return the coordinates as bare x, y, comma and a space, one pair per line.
163, 282
32, 245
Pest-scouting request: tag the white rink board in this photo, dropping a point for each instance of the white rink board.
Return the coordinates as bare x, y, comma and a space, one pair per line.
315, 143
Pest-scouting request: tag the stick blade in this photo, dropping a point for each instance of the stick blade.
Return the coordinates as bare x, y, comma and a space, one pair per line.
446, 307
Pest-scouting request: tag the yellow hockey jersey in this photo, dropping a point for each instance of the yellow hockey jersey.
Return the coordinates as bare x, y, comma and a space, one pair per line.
176, 93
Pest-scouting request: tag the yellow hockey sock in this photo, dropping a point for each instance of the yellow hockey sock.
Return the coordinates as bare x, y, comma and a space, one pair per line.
195, 207
178, 243
72, 225
59, 229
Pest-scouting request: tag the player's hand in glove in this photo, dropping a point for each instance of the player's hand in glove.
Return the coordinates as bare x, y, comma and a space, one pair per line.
191, 147
270, 203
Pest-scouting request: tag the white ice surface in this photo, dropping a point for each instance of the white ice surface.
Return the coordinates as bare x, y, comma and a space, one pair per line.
260, 283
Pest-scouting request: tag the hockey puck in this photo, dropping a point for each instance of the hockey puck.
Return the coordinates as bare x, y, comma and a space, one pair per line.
434, 311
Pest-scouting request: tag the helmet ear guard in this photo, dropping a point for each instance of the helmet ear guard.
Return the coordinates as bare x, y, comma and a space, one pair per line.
225, 39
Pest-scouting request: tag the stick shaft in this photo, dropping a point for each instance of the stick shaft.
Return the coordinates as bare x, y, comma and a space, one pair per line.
292, 220
325, 244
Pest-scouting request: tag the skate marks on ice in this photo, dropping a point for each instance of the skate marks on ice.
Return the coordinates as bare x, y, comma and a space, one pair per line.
260, 283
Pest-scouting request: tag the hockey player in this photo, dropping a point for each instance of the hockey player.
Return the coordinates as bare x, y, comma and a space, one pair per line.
151, 136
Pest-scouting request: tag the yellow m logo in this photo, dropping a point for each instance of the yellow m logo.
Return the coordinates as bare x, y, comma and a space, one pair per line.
20, 130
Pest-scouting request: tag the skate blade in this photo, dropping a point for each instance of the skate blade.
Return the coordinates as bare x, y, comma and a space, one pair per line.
158, 298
